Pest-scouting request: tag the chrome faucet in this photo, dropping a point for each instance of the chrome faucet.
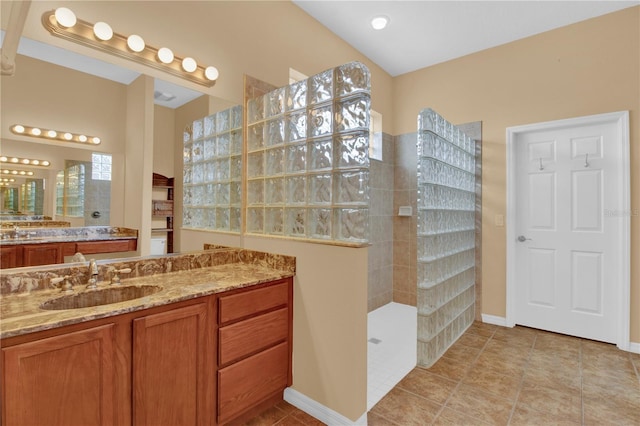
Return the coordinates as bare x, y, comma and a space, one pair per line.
93, 275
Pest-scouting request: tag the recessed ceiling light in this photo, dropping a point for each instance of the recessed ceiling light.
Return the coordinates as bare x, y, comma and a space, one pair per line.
379, 22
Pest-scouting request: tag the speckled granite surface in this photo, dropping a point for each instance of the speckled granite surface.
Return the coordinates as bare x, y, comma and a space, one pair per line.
50, 235
10, 224
181, 276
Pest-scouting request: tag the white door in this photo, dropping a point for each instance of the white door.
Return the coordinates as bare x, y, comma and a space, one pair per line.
567, 228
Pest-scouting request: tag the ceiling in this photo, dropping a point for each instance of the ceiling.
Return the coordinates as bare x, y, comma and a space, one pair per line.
424, 33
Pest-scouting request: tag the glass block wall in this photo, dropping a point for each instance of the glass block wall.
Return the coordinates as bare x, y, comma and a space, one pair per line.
446, 235
212, 174
307, 158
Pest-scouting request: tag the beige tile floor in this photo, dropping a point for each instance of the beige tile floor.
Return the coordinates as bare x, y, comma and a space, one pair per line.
502, 376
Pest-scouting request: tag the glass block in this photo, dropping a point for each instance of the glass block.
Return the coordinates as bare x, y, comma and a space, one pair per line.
296, 187
274, 161
274, 102
321, 87
236, 117
209, 171
255, 137
235, 172
186, 153
222, 170
187, 217
209, 146
222, 194
273, 221
209, 195
208, 219
209, 125
186, 196
353, 114
296, 161
235, 219
319, 223
197, 130
255, 192
352, 224
223, 123
320, 154
352, 187
319, 189
296, 95
187, 174
352, 77
197, 153
352, 150
235, 193
295, 220
197, 218
186, 136
255, 219
235, 143
223, 144
274, 132
255, 108
320, 121
222, 219
428, 120
274, 191
255, 164
198, 173
296, 126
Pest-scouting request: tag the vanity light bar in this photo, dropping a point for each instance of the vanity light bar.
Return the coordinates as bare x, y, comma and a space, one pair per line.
63, 23
24, 161
54, 135
5, 172
7, 180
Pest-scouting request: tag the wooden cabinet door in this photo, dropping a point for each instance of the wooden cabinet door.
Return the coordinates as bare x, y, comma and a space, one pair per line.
62, 380
172, 369
9, 257
42, 254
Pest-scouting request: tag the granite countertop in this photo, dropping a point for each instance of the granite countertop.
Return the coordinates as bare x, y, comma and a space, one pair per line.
21, 313
57, 235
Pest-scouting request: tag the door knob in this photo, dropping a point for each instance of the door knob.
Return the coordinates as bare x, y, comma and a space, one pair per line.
522, 238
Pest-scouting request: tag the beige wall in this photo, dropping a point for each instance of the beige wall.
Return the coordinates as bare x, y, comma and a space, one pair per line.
587, 68
164, 140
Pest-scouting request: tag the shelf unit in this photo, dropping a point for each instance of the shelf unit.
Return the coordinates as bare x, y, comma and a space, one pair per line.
164, 208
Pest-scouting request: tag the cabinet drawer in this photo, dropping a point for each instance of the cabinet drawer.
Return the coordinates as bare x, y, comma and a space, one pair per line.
252, 302
92, 247
246, 337
251, 381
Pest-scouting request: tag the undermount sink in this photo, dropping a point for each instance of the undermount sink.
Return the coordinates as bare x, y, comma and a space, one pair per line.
102, 296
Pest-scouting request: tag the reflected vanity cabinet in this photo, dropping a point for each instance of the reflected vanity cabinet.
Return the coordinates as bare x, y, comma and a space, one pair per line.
210, 360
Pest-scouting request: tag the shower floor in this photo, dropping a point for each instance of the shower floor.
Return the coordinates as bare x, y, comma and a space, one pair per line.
391, 348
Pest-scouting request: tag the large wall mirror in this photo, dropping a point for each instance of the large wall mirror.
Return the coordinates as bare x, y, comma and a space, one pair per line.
58, 89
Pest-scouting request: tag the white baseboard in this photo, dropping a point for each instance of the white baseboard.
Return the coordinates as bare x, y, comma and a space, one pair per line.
634, 347
319, 411
492, 319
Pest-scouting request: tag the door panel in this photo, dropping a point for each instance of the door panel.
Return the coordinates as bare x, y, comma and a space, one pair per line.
586, 282
541, 280
586, 200
542, 206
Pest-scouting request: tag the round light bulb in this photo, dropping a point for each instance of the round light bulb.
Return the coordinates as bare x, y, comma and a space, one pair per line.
379, 22
45, 163
103, 31
67, 136
65, 17
35, 162
95, 140
18, 128
14, 160
189, 64
22, 173
52, 133
3, 159
82, 138
6, 172
36, 132
14, 172
211, 73
25, 161
29, 173
165, 55
135, 43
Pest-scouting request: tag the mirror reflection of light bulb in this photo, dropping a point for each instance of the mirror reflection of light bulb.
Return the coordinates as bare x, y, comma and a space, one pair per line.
102, 31
135, 43
45, 163
36, 132
67, 136
35, 162
25, 161
95, 140
82, 138
52, 133
18, 128
14, 160
65, 17
165, 55
189, 64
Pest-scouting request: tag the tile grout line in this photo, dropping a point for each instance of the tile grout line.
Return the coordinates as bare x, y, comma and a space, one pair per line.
521, 385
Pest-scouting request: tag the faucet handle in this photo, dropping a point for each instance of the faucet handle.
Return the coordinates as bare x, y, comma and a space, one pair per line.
65, 287
115, 279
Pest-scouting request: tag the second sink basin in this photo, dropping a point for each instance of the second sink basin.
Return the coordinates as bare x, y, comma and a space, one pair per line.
102, 296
